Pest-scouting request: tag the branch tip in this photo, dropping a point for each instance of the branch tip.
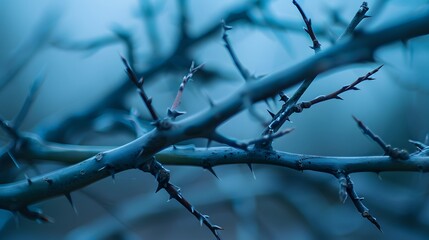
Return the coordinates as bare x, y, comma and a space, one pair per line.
394, 153
139, 84
357, 201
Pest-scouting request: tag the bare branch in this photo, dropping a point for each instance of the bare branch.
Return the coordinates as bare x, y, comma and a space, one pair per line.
172, 112
394, 153
28, 101
243, 71
357, 201
162, 175
359, 16
139, 85
309, 29
335, 95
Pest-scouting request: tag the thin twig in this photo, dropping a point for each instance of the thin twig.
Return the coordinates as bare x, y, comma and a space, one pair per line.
172, 112
243, 71
394, 153
162, 175
288, 107
139, 85
357, 201
28, 101
309, 28
335, 95
359, 16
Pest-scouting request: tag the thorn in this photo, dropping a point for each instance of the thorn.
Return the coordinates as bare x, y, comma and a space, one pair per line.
160, 186
355, 88
251, 170
209, 142
339, 98
271, 113
69, 198
283, 97
170, 197
174, 113
210, 169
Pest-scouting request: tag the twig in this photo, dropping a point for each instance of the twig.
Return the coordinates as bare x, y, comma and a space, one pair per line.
28, 101
394, 153
162, 175
244, 145
419, 145
309, 28
359, 16
172, 112
287, 108
357, 201
335, 95
139, 85
243, 71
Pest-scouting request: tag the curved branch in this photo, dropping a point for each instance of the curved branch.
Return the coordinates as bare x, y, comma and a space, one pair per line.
18, 195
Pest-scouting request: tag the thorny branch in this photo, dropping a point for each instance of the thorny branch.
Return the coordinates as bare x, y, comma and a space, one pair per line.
309, 29
335, 95
17, 196
290, 104
162, 175
359, 16
394, 153
139, 85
